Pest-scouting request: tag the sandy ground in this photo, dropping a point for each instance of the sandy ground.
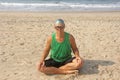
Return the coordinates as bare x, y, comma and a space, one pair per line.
23, 34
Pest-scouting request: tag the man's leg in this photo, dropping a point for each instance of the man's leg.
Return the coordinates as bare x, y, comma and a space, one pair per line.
74, 65
54, 70
68, 68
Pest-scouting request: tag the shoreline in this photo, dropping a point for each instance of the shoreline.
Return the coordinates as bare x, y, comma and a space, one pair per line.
59, 11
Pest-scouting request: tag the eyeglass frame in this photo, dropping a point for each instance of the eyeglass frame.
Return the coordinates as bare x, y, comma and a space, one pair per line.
59, 27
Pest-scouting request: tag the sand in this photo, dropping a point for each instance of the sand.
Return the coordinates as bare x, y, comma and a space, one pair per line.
23, 36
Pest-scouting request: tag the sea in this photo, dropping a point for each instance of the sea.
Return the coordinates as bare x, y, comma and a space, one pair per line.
59, 5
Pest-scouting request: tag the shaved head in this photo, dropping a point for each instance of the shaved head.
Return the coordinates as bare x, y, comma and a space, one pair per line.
60, 22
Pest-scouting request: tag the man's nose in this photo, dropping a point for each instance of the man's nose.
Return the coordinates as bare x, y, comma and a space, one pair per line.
59, 29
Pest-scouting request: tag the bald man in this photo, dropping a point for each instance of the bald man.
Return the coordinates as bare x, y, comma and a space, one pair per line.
60, 44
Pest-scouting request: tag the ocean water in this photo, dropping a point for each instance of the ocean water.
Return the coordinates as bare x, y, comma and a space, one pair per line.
59, 5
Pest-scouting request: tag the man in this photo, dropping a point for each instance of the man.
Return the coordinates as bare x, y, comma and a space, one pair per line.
60, 44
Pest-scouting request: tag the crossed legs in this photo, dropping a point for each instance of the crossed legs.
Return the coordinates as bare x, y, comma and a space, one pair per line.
68, 68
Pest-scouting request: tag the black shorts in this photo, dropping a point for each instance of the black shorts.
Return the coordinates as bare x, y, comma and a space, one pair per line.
52, 63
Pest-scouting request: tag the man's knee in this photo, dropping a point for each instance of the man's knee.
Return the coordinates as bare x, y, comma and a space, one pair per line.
42, 69
79, 64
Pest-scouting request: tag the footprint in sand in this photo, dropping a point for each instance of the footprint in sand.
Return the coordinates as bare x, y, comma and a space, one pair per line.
4, 59
25, 62
12, 54
2, 53
21, 44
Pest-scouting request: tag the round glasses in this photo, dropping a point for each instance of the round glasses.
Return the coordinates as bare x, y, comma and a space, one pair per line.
59, 27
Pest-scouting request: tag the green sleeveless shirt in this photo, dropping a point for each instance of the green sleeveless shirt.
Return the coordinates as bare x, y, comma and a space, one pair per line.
60, 51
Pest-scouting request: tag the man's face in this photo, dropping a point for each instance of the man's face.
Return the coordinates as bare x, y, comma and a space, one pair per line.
59, 27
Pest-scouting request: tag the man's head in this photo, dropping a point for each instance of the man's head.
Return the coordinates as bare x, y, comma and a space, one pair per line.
59, 24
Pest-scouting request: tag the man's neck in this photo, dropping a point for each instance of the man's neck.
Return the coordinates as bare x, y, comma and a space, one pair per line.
60, 35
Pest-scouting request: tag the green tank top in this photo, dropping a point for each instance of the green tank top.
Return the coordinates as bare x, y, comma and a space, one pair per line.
60, 51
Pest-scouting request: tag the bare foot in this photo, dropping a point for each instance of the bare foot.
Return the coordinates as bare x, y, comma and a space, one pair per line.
72, 72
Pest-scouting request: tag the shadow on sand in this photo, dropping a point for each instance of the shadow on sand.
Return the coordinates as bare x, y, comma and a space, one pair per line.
91, 66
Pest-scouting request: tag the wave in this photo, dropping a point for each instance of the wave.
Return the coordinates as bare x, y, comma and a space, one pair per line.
60, 5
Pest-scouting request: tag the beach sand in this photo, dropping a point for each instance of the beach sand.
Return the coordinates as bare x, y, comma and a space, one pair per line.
23, 36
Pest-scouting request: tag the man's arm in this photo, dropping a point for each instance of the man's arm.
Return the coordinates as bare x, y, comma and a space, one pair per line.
74, 47
46, 49
45, 53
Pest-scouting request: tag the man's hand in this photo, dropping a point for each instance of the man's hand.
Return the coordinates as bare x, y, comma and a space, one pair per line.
40, 65
78, 59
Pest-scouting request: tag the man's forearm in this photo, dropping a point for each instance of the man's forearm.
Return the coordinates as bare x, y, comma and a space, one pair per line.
76, 52
44, 55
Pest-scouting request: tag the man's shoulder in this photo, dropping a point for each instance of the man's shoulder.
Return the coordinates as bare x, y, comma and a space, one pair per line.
49, 38
71, 37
